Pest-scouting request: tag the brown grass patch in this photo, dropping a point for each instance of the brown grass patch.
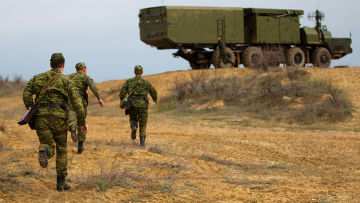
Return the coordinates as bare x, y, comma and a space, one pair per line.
3, 127
288, 94
11, 87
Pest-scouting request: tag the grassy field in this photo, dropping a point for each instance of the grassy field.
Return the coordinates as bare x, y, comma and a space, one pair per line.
206, 153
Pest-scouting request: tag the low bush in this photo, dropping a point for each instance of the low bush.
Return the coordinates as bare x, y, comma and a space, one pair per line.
285, 93
10, 86
2, 127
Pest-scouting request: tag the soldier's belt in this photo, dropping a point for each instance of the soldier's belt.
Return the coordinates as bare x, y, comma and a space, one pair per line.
51, 105
135, 97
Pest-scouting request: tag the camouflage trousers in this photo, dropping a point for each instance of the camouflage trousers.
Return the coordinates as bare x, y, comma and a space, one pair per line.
52, 132
73, 121
138, 117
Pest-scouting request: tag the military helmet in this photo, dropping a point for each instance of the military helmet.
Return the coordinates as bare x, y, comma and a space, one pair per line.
138, 68
80, 66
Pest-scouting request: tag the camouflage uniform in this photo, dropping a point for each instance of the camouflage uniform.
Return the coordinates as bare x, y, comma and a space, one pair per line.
82, 83
139, 100
223, 54
50, 121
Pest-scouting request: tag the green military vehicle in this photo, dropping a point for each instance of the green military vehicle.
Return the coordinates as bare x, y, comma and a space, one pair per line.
254, 37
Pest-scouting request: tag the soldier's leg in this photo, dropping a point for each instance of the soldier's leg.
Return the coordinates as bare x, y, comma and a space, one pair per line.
72, 123
46, 139
58, 126
143, 115
81, 137
133, 122
60, 137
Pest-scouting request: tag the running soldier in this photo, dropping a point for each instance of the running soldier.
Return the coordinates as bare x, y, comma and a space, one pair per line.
54, 91
82, 82
137, 89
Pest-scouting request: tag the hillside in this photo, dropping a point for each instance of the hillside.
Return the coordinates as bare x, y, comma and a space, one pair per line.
215, 155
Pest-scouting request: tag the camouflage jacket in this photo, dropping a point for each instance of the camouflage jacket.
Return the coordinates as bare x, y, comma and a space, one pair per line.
138, 97
222, 47
62, 91
82, 82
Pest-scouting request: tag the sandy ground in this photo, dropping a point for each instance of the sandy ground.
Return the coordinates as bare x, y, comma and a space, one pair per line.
189, 157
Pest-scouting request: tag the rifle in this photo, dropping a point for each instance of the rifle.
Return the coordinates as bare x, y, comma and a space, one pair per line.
125, 101
30, 112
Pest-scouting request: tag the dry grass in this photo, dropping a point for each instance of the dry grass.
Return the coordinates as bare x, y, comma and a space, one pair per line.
290, 93
9, 87
111, 175
197, 155
156, 149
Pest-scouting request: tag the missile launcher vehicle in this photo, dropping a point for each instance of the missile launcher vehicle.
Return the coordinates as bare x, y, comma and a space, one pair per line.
253, 37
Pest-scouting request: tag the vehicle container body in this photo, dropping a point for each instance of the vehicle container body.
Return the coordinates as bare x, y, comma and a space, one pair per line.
272, 26
167, 26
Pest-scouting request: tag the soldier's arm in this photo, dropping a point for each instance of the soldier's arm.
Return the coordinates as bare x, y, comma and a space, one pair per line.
93, 87
124, 90
28, 93
76, 103
153, 93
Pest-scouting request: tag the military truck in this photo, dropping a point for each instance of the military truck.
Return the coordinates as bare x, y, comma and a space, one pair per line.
254, 37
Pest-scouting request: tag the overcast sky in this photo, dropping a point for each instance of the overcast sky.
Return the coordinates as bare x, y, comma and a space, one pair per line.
105, 34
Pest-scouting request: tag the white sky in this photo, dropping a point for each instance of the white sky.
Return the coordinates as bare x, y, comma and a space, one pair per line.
105, 33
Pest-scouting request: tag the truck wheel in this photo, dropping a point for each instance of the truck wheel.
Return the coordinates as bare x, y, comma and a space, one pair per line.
196, 66
218, 62
253, 57
295, 57
321, 57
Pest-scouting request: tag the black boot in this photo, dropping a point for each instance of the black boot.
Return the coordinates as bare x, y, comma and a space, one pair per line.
142, 141
133, 131
43, 159
74, 136
80, 147
61, 185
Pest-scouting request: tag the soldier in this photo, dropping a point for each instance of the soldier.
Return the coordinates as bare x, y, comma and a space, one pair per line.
222, 48
53, 90
82, 82
138, 88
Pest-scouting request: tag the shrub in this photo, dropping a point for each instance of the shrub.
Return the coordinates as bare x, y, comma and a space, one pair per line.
287, 93
335, 107
9, 87
2, 127
109, 176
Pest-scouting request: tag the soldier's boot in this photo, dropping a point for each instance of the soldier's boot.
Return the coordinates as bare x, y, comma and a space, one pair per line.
133, 131
142, 141
74, 136
61, 185
80, 147
43, 159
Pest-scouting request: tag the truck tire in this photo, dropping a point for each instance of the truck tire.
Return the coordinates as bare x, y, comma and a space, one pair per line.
321, 57
196, 66
253, 57
295, 57
219, 63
